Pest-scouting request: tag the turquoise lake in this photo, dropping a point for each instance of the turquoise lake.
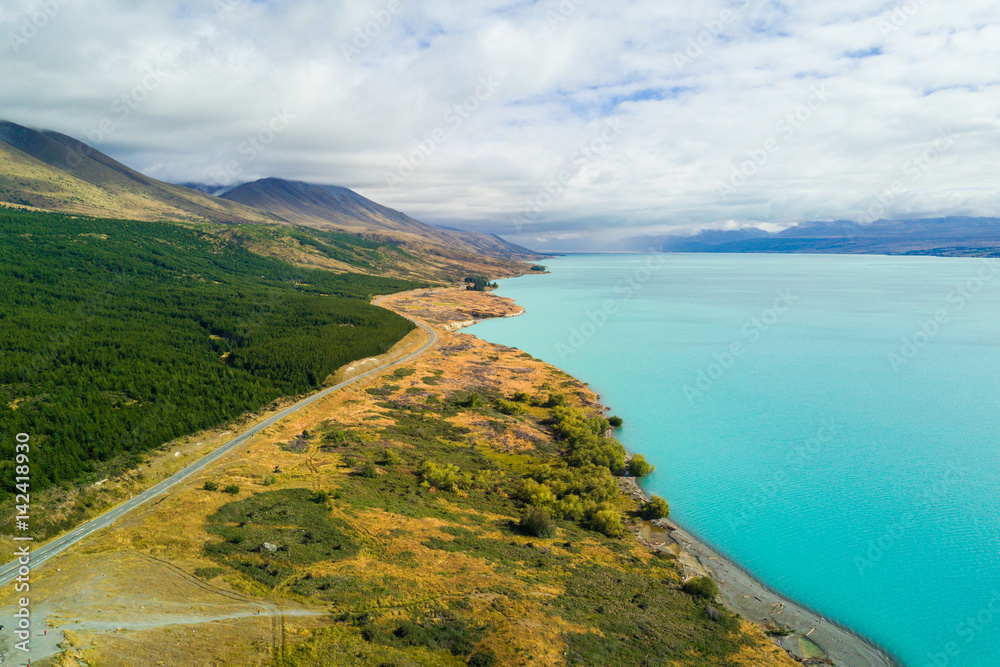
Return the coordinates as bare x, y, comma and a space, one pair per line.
830, 422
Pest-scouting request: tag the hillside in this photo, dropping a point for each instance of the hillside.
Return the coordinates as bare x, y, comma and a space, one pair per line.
334, 207
308, 225
50, 171
120, 335
394, 510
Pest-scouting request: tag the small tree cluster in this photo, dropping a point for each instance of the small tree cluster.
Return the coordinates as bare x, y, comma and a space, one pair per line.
536, 522
656, 508
701, 587
638, 466
509, 408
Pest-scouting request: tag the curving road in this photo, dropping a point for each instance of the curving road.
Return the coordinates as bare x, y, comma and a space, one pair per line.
38, 556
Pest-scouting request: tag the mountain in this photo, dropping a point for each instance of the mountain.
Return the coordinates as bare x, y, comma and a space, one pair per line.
214, 190
336, 208
951, 236
50, 171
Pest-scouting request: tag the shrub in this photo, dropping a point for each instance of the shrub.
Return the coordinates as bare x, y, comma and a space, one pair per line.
701, 587
638, 466
482, 659
319, 497
448, 477
536, 522
209, 572
555, 400
389, 457
606, 521
210, 486
656, 508
508, 407
473, 400
269, 480
232, 489
520, 397
615, 421
369, 471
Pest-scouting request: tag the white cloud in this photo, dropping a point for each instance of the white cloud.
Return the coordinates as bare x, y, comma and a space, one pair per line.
691, 113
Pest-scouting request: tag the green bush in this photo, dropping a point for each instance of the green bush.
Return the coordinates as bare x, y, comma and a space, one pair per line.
656, 508
606, 521
473, 400
389, 457
638, 466
209, 485
615, 421
369, 471
269, 480
555, 400
509, 408
445, 477
521, 397
208, 572
701, 587
482, 659
232, 489
536, 522
319, 497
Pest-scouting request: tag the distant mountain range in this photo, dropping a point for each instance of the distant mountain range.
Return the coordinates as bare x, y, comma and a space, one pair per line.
952, 236
46, 170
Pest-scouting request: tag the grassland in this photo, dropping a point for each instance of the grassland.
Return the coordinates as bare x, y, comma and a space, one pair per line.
382, 559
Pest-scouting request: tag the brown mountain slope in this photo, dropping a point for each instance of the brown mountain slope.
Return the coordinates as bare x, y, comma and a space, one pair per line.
337, 208
52, 171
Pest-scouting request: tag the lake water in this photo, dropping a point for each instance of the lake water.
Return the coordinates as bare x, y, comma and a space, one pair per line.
832, 423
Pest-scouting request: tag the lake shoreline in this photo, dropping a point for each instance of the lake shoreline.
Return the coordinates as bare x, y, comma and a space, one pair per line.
746, 595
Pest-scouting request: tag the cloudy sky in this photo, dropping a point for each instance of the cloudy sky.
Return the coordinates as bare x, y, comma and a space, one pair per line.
556, 123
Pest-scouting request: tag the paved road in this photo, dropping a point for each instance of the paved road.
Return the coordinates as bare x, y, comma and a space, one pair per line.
38, 556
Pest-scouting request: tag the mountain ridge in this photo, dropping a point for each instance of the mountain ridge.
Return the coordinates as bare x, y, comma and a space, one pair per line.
49, 171
337, 208
946, 236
